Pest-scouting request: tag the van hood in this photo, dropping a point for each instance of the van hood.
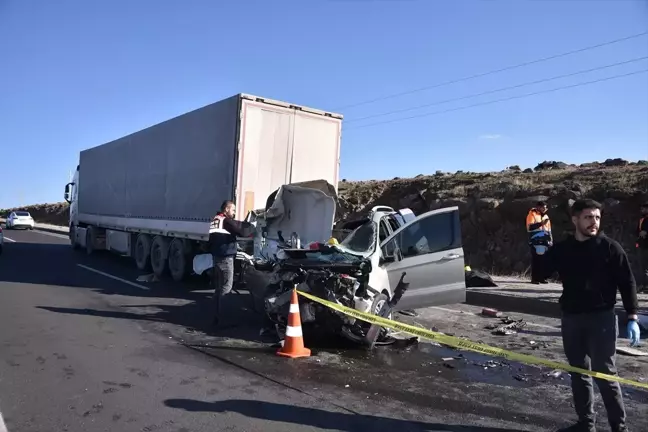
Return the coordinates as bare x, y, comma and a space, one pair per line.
306, 208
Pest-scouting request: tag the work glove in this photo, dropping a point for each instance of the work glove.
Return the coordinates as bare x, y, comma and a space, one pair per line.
633, 333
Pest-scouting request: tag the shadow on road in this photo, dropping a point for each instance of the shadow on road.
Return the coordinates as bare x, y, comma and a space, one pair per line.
57, 264
320, 419
194, 316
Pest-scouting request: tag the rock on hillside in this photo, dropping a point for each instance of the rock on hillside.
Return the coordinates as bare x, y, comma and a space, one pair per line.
493, 205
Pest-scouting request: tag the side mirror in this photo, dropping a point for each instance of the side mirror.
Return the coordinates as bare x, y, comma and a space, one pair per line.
67, 196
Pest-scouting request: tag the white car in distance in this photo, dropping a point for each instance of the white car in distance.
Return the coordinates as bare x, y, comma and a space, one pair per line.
20, 219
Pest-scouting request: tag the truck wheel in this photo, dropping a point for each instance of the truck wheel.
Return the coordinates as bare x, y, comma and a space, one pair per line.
178, 260
73, 242
143, 252
159, 256
89, 240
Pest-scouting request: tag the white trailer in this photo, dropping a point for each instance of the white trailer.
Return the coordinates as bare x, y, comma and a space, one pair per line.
151, 195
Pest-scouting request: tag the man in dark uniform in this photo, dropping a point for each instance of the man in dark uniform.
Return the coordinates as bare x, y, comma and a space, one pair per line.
642, 246
592, 268
222, 241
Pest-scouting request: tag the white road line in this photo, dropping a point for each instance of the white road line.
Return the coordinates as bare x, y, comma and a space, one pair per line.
12, 241
3, 427
127, 282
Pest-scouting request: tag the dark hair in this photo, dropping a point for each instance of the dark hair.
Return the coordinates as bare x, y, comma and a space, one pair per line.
585, 204
541, 204
226, 204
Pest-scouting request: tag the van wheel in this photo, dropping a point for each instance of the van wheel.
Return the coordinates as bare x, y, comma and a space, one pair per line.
160, 256
143, 252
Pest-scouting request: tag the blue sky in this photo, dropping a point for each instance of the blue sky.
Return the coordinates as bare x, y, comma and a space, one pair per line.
76, 74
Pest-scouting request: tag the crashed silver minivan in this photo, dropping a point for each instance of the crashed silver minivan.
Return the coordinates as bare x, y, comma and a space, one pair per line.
427, 247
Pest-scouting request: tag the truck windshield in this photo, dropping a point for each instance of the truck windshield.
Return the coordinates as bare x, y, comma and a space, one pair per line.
362, 239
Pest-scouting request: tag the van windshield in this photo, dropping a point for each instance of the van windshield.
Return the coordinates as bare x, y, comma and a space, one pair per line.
361, 240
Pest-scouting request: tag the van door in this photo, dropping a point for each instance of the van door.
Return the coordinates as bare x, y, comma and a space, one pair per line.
429, 249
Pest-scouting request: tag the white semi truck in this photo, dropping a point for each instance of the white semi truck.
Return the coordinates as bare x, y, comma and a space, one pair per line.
151, 195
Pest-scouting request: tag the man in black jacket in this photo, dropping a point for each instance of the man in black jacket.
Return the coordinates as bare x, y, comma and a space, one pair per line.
222, 241
592, 268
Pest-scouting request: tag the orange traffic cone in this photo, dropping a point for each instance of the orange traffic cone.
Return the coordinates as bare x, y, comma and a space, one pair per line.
293, 346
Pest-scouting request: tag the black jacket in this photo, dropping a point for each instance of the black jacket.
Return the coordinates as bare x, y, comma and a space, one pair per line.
591, 272
222, 243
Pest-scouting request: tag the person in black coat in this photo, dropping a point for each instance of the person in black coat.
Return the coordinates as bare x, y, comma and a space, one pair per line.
592, 268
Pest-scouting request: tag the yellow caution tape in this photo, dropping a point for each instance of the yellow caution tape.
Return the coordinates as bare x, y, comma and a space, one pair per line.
464, 344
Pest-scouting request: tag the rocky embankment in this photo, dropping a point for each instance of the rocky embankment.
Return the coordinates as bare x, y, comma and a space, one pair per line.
493, 205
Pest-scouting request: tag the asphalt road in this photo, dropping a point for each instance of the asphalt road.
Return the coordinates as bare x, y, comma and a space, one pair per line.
86, 347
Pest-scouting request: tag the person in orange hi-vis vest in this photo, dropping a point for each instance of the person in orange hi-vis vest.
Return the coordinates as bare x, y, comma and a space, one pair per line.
642, 246
540, 240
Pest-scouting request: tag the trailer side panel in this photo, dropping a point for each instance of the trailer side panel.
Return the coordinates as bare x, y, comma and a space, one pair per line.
178, 170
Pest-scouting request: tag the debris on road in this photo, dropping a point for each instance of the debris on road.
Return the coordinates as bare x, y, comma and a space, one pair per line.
631, 351
507, 326
409, 312
555, 374
147, 278
491, 313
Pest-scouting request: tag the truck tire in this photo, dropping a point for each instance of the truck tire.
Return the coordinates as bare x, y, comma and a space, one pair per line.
142, 252
160, 256
73, 242
178, 260
89, 240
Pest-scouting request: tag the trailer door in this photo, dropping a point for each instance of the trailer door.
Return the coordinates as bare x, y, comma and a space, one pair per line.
316, 148
264, 153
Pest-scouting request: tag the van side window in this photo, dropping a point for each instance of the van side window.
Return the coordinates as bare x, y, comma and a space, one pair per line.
435, 233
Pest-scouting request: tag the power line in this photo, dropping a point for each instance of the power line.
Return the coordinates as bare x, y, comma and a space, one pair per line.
504, 69
503, 99
496, 90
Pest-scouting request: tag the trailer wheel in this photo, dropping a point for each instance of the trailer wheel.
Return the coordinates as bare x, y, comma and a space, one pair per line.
142, 252
160, 255
178, 260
